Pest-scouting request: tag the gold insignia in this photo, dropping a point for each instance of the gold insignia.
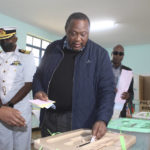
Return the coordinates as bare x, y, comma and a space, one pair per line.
4, 35
16, 63
24, 51
2, 32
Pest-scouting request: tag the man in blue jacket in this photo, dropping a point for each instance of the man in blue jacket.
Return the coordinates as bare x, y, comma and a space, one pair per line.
77, 74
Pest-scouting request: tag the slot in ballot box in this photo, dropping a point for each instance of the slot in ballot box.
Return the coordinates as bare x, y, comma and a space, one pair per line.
137, 127
80, 140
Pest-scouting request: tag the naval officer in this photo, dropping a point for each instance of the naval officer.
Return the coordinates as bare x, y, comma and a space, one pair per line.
16, 73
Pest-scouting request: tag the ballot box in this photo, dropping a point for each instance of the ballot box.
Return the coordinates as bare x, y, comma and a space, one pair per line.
137, 127
81, 140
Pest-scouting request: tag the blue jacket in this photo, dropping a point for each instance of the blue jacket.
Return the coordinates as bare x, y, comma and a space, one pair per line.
93, 83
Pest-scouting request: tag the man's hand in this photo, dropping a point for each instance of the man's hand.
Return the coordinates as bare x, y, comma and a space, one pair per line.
99, 129
41, 95
11, 116
125, 95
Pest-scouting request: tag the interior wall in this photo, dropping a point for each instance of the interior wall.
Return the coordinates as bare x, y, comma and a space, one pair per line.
24, 28
136, 57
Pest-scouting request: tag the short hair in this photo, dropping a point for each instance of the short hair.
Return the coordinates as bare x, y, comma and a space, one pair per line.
76, 15
118, 46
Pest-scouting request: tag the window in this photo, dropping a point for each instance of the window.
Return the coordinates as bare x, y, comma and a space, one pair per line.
37, 46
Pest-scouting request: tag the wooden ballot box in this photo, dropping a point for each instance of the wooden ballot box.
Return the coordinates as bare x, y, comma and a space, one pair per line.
80, 140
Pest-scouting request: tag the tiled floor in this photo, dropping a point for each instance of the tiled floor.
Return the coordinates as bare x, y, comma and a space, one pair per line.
35, 135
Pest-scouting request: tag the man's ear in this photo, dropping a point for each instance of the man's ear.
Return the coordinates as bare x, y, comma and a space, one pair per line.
15, 39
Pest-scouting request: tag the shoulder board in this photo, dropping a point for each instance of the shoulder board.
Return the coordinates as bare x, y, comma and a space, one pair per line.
0, 51
24, 51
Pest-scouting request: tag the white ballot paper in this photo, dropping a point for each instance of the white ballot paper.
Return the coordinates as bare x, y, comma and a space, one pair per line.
123, 86
43, 104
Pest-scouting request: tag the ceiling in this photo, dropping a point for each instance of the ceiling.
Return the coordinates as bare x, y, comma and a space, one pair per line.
132, 17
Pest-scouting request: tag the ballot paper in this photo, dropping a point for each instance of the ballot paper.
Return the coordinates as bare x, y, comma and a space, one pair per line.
93, 139
43, 104
123, 86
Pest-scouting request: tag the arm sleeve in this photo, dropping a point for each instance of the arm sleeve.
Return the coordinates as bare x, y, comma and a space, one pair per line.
106, 89
38, 83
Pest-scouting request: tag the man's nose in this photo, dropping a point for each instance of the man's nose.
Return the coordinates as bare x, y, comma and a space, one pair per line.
78, 38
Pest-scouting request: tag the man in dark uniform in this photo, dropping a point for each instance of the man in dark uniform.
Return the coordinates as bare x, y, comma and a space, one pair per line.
117, 57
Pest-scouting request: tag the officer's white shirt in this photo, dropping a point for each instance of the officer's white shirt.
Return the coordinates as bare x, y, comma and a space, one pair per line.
16, 68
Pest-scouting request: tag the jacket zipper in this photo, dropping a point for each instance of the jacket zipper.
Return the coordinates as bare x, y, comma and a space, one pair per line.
75, 64
74, 74
54, 71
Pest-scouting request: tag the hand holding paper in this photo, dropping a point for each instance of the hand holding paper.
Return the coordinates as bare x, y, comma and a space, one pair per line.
43, 104
122, 94
123, 85
41, 95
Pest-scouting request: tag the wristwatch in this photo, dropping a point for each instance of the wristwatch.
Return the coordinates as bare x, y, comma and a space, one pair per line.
10, 104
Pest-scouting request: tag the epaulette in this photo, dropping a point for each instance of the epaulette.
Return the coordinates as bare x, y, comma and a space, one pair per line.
0, 51
24, 51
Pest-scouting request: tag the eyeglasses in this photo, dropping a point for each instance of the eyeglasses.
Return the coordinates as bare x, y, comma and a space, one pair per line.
118, 53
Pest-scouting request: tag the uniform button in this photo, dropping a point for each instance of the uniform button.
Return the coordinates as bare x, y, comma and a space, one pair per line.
0, 64
4, 71
6, 62
3, 80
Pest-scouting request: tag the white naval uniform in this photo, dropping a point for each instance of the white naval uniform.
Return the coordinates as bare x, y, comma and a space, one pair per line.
16, 68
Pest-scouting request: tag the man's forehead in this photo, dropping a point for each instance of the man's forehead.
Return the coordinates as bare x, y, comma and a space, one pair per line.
79, 25
79, 21
118, 48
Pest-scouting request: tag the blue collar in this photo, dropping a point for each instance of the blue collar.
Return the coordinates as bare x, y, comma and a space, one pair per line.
66, 45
